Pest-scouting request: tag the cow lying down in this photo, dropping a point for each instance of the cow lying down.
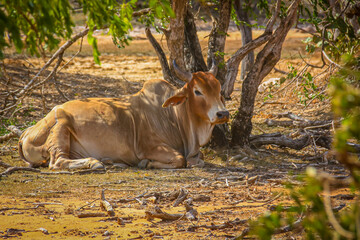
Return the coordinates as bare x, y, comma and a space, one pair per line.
158, 127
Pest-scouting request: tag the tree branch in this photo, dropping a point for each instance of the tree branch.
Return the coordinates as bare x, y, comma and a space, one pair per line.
168, 76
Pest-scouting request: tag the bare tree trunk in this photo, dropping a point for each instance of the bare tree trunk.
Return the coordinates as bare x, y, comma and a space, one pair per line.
194, 60
265, 61
175, 35
167, 74
246, 37
217, 38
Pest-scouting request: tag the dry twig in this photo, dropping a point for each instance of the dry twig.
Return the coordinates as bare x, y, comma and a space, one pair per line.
181, 197
105, 205
11, 170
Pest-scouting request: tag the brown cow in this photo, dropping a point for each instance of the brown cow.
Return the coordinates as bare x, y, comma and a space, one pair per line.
158, 127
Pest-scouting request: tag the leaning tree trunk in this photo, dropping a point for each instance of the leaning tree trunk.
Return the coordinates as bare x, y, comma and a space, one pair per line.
246, 37
217, 38
265, 61
194, 60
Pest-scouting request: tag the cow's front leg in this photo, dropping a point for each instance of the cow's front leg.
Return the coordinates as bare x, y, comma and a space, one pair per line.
163, 157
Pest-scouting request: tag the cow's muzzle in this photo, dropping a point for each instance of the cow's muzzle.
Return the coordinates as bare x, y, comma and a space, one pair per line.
222, 116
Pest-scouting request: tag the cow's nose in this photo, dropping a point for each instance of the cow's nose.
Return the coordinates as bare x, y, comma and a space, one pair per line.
222, 114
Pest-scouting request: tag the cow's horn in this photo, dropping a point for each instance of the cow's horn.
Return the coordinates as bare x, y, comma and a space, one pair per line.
183, 75
214, 68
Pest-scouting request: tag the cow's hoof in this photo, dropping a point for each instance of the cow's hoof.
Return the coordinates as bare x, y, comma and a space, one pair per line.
96, 164
143, 163
196, 164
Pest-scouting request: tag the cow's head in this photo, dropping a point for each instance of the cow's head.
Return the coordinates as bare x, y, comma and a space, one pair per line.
202, 91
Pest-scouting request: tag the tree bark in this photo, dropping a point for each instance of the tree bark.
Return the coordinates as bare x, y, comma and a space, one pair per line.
265, 61
194, 60
175, 35
246, 37
217, 38
233, 63
167, 74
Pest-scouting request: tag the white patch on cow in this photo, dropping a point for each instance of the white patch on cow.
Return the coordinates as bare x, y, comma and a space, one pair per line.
215, 108
204, 133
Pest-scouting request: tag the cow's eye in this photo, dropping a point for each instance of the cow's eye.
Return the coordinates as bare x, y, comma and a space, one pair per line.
198, 93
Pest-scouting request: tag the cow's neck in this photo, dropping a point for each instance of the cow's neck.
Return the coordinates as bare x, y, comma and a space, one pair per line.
197, 132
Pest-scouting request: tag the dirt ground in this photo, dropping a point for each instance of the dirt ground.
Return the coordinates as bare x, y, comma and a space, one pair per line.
235, 186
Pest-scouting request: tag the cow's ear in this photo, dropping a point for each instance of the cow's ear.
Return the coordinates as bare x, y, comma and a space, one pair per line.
177, 99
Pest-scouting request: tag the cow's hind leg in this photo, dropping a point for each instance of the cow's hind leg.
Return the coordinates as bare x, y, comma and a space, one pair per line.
163, 157
59, 146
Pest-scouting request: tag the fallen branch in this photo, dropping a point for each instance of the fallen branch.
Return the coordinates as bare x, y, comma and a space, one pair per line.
91, 214
88, 204
297, 144
7, 137
15, 208
11, 170
299, 124
191, 213
47, 203
126, 200
105, 205
181, 197
158, 213
228, 224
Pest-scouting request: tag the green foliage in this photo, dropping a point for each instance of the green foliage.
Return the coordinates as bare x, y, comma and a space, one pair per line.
45, 23
335, 33
238, 22
308, 90
110, 13
346, 101
309, 208
159, 16
252, 11
42, 22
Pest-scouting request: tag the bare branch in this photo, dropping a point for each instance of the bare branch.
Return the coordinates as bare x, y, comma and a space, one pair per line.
7, 137
141, 12
233, 63
271, 22
168, 76
59, 52
20, 94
